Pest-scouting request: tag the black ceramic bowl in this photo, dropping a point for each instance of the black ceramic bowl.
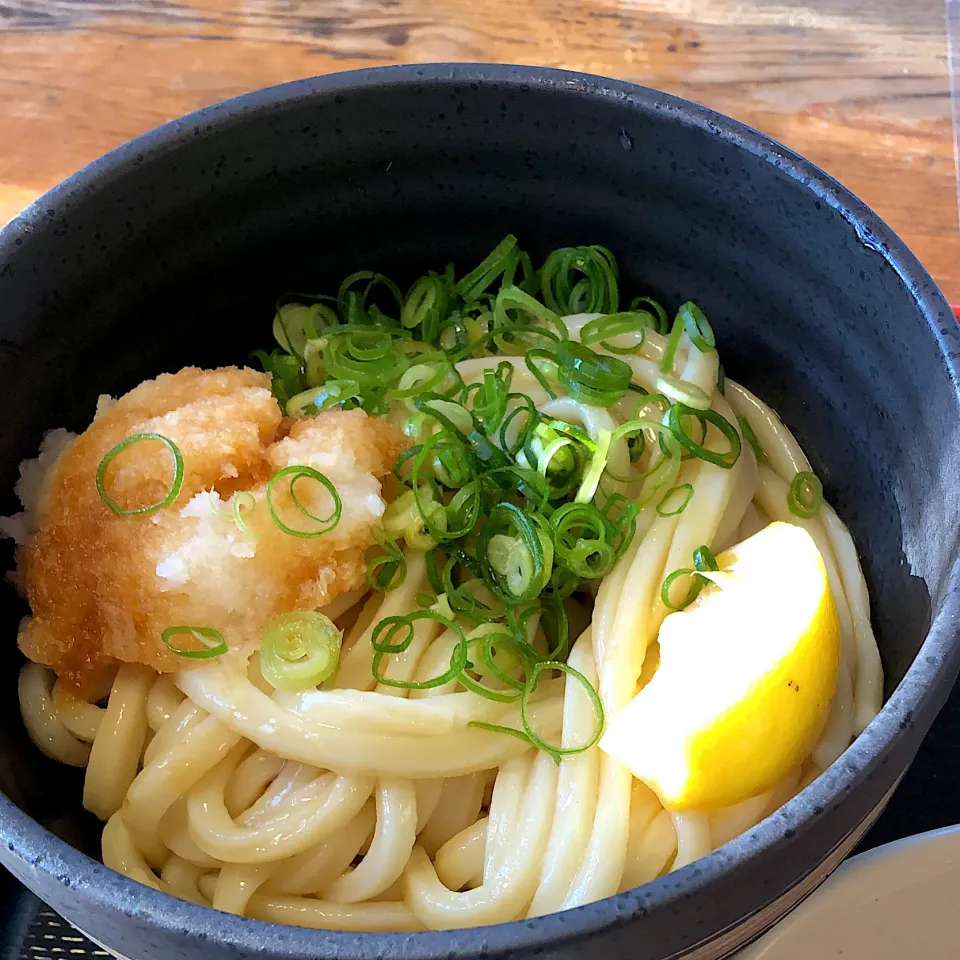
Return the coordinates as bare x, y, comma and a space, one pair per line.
171, 250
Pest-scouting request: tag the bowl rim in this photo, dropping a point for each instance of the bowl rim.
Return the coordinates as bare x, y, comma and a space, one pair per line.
939, 654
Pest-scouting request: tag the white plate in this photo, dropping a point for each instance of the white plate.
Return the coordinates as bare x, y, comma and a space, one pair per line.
898, 902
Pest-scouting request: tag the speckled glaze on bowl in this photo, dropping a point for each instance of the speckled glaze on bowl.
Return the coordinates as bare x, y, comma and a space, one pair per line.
171, 250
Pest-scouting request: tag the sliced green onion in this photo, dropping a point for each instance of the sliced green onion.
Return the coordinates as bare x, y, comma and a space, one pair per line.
558, 752
295, 473
502, 257
549, 372
580, 280
704, 560
393, 626
175, 484
805, 497
591, 377
295, 323
695, 587
353, 305
526, 409
515, 553
676, 418
211, 642
634, 324
331, 394
432, 371
675, 500
387, 570
538, 317
491, 640
683, 391
287, 378
751, 438
528, 734
299, 650
490, 399
721, 380
581, 535
498, 496
243, 502
427, 305
663, 320
697, 326
598, 463
673, 343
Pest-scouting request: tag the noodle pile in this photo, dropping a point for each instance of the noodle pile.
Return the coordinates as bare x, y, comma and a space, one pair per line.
364, 806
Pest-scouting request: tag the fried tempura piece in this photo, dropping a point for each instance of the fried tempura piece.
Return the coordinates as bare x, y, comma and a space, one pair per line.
103, 587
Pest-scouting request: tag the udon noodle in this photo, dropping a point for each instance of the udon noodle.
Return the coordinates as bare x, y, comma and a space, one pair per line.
358, 806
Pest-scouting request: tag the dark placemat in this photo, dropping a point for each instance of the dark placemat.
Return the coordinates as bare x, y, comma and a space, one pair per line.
928, 798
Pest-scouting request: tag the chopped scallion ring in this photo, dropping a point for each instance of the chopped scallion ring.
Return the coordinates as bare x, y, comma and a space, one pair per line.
559, 752
675, 500
697, 327
176, 482
677, 417
591, 377
212, 643
296, 472
299, 650
673, 343
387, 570
695, 587
682, 391
392, 626
805, 497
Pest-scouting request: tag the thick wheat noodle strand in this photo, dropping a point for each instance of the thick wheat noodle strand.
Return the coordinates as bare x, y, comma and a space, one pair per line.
116, 751
249, 713
428, 799
121, 853
511, 885
655, 853
34, 687
868, 695
457, 808
323, 915
313, 870
459, 862
576, 789
163, 701
693, 837
237, 883
788, 459
80, 717
389, 851
328, 803
249, 780
619, 657
504, 807
184, 718
170, 776
175, 835
356, 661
179, 878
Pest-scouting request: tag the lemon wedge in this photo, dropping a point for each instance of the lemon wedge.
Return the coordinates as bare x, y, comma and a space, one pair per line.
745, 679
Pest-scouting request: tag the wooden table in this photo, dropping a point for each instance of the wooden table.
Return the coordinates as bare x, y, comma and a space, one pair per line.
862, 87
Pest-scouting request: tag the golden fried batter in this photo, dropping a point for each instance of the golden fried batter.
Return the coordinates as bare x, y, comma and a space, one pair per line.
103, 587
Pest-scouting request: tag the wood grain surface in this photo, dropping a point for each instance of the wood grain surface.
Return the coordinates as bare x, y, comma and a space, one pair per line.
862, 87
